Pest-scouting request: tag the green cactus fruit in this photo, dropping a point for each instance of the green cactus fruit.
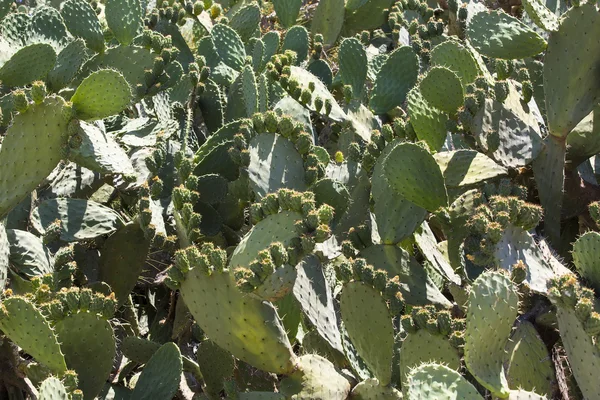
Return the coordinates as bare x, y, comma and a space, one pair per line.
315, 378
509, 38
23, 323
569, 100
122, 259
101, 94
79, 219
423, 347
413, 174
161, 376
438, 382
23, 141
493, 303
529, 365
53, 389
81, 20
353, 65
388, 90
443, 89
124, 18
28, 64
369, 326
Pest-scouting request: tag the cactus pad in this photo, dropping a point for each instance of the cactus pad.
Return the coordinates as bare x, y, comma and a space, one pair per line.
497, 34
124, 18
395, 78
52, 389
571, 83
367, 320
442, 89
493, 303
102, 94
4, 255
413, 174
161, 375
315, 379
370, 389
29, 329
433, 381
28, 64
287, 11
467, 167
353, 65
428, 122
585, 251
89, 346
81, 20
80, 219
24, 141
454, 56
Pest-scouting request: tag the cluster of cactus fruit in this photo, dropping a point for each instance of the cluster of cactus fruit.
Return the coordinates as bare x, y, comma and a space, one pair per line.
360, 199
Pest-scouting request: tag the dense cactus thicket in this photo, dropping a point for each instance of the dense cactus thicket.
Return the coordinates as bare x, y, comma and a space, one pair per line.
360, 199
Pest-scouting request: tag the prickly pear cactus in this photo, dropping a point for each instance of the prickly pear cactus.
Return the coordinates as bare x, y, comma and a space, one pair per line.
342, 200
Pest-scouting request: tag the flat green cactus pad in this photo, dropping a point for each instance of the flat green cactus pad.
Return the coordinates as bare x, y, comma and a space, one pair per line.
80, 219
428, 122
467, 167
585, 257
28, 255
423, 347
287, 11
584, 356
529, 364
456, 57
246, 21
274, 164
497, 34
395, 78
413, 173
216, 364
102, 94
81, 20
123, 257
370, 389
328, 20
416, 286
297, 40
571, 82
493, 303
124, 18
25, 141
29, 329
4, 255
433, 381
353, 65
278, 227
315, 379
541, 15
313, 293
68, 62
443, 89
161, 375
98, 151
89, 346
245, 326
229, 46
369, 325
52, 389
28, 64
